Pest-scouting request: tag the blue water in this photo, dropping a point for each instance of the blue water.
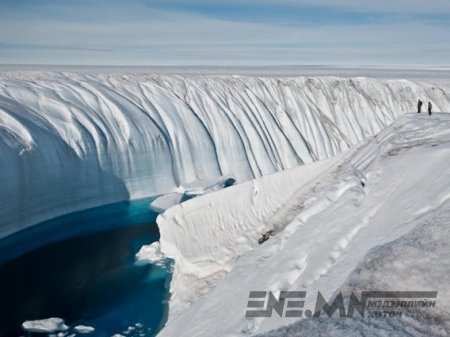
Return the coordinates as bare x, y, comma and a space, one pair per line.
81, 267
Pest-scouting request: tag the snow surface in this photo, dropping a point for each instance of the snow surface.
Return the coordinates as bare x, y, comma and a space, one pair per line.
49, 325
416, 261
373, 217
71, 141
438, 75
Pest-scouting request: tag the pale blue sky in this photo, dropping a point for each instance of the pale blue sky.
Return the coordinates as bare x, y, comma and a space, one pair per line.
198, 32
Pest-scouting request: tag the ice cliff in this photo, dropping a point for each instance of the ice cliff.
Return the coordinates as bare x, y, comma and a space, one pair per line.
72, 141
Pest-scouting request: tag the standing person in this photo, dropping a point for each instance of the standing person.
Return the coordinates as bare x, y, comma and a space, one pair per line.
419, 106
430, 106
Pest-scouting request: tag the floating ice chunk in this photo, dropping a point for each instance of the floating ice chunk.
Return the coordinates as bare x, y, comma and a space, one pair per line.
165, 201
84, 329
49, 325
151, 253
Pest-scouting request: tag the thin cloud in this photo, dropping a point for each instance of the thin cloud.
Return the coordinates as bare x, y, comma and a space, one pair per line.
34, 46
379, 6
148, 34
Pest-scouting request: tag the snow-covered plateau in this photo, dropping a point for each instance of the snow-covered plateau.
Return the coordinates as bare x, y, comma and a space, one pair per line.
375, 217
69, 141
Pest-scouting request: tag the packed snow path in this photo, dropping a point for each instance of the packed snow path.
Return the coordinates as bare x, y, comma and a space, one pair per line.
72, 141
367, 197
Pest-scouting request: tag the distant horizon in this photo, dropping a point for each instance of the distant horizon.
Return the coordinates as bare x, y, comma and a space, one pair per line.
335, 66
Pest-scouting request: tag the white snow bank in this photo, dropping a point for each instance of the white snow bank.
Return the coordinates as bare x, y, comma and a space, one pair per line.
323, 229
207, 234
84, 329
49, 325
73, 141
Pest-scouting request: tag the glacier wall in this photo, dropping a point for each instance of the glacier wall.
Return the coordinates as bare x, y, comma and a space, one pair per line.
72, 141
